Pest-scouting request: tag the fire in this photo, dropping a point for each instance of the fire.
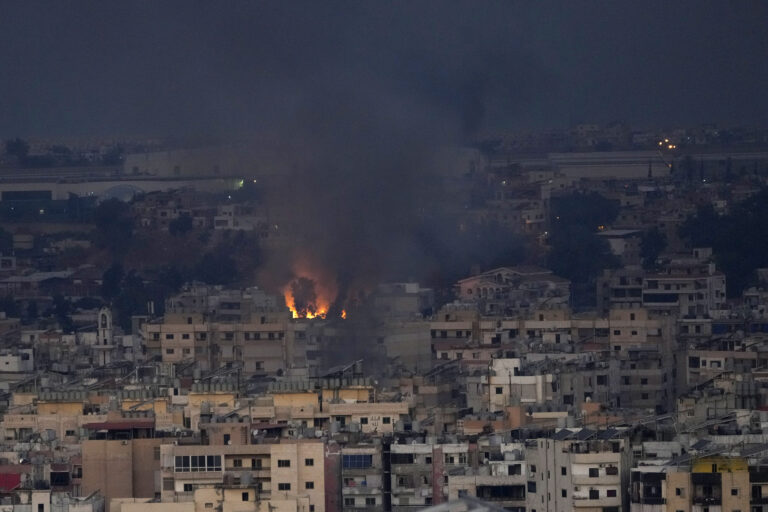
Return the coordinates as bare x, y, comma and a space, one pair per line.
314, 288
320, 311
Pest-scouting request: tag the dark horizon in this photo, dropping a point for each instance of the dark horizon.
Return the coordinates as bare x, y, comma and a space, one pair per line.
457, 68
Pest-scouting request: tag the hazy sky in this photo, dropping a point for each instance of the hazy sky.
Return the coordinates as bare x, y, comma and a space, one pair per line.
158, 67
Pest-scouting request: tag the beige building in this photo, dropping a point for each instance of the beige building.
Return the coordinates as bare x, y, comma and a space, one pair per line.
288, 470
583, 475
121, 468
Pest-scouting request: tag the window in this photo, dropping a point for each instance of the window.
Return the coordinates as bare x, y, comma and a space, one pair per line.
245, 496
238, 463
283, 463
70, 433
169, 351
644, 396
386, 420
309, 462
593, 472
311, 508
498, 390
349, 502
610, 493
188, 488
679, 492
363, 421
365, 461
195, 463
309, 485
169, 336
563, 470
370, 501
533, 468
563, 493
643, 381
282, 486
734, 491
594, 494
531, 486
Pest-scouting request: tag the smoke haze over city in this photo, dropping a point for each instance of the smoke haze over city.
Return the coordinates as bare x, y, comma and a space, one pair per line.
205, 69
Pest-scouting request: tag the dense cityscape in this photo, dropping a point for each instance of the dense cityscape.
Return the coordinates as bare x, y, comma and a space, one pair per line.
376, 270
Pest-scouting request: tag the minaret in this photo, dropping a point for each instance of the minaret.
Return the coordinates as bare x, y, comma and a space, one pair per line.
104, 335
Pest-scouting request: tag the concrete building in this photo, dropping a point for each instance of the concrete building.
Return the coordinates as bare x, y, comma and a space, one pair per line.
285, 470
579, 470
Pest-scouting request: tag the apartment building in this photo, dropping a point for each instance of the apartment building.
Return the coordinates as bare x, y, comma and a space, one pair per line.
501, 479
284, 470
363, 482
419, 472
688, 286
580, 470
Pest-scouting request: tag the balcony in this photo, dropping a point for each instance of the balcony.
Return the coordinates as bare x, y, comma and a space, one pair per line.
585, 501
603, 479
360, 490
596, 458
707, 500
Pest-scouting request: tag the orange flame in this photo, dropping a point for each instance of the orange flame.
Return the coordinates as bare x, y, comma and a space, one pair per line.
325, 288
320, 312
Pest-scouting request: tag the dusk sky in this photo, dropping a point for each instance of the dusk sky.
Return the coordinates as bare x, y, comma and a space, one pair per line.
161, 68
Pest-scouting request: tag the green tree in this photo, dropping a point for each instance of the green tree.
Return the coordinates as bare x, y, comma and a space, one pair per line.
61, 312
652, 243
9, 306
739, 239
576, 252
180, 226
114, 225
588, 210
17, 147
111, 281
216, 267
32, 311
6, 242
132, 300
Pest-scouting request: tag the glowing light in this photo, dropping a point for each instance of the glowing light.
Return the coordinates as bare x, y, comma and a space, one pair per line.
344, 314
320, 311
